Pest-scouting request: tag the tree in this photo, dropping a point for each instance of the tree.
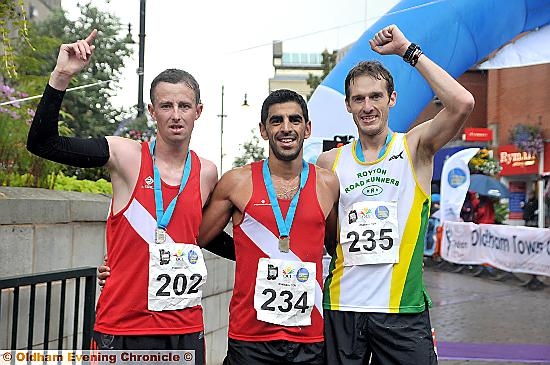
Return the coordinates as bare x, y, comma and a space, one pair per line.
252, 152
93, 113
86, 112
328, 62
17, 166
13, 30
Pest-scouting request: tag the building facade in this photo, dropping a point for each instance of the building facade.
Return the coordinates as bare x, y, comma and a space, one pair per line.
292, 70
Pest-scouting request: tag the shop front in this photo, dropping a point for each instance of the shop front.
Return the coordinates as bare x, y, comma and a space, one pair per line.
527, 179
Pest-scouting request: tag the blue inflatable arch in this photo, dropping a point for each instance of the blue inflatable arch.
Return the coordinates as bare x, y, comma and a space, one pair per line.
456, 34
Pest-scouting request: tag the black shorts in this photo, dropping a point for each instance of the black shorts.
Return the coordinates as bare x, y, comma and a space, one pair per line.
189, 341
273, 352
385, 338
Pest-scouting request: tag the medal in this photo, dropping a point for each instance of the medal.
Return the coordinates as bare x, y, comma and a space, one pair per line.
160, 235
283, 223
284, 244
163, 217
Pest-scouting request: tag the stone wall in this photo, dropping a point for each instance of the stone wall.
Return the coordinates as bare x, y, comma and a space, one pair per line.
43, 230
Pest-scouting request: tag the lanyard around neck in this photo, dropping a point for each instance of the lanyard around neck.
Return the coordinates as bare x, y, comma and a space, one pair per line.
163, 218
359, 148
285, 224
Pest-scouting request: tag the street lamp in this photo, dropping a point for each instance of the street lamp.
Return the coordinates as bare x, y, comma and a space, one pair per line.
140, 71
222, 115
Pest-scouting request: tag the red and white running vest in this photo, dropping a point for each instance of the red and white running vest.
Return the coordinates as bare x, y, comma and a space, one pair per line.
122, 305
256, 240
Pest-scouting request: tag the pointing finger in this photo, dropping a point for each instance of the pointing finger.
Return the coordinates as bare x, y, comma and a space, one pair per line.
91, 37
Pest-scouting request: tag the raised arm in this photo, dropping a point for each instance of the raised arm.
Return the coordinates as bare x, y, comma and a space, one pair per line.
457, 102
43, 139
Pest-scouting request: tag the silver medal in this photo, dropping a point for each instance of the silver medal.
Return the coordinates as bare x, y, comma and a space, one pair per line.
160, 235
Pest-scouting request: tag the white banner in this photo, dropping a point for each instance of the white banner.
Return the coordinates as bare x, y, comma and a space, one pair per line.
455, 180
509, 248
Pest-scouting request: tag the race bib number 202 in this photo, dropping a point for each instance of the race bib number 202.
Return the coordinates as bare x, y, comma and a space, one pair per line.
176, 273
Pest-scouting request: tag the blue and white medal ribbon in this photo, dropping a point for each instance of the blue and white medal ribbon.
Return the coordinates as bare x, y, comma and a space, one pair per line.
283, 224
163, 217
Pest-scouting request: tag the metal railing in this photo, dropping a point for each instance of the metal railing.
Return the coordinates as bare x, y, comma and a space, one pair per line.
15, 288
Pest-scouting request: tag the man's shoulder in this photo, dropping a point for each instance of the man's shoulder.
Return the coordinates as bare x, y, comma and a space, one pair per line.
237, 175
326, 179
123, 151
327, 158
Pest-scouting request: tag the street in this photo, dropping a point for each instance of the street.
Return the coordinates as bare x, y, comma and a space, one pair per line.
480, 320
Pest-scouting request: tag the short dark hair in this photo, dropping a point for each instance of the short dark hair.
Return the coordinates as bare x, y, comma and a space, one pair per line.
369, 68
283, 96
175, 76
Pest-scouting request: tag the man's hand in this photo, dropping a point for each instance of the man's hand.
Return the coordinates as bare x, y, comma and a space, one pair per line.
103, 272
390, 40
72, 58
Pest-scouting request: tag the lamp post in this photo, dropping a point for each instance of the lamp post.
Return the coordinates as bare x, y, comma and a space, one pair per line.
140, 106
222, 115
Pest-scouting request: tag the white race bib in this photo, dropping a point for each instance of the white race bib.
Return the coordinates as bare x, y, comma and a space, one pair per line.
176, 272
369, 234
285, 292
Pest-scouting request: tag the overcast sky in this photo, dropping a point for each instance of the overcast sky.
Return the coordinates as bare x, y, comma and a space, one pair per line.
230, 43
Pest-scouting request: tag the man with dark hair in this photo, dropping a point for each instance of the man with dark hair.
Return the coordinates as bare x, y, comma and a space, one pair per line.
280, 208
159, 189
376, 306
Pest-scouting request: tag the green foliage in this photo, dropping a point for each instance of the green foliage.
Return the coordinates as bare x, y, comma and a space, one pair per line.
58, 181
13, 30
252, 151
501, 212
328, 62
15, 160
484, 163
86, 112
139, 129
94, 114
39, 62
71, 183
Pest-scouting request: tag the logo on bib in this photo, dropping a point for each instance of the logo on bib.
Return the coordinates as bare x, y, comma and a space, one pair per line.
272, 272
352, 217
193, 257
164, 257
302, 275
382, 212
366, 213
287, 272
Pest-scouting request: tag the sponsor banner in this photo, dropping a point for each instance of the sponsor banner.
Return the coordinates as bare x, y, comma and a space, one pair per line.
455, 180
509, 248
184, 357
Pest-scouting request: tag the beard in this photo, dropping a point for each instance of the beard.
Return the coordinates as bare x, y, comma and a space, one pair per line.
283, 154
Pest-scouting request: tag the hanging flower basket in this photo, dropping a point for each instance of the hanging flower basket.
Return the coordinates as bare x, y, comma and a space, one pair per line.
527, 138
483, 163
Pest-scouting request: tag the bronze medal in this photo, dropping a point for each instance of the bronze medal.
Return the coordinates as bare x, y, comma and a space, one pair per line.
284, 244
